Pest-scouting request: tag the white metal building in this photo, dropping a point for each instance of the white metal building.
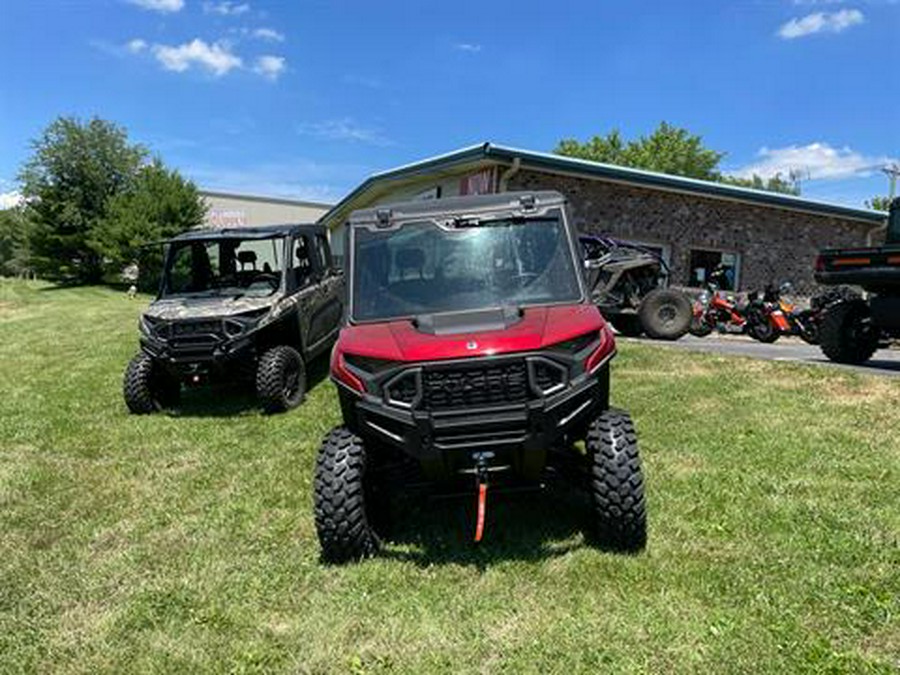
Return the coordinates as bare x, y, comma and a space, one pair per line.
227, 209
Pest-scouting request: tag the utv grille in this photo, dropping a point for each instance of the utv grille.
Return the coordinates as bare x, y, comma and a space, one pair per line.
192, 328
465, 386
198, 336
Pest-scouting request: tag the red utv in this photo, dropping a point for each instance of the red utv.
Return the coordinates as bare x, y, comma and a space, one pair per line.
471, 351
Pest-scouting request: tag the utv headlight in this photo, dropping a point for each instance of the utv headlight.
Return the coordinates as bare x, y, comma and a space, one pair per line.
244, 322
577, 344
368, 364
149, 326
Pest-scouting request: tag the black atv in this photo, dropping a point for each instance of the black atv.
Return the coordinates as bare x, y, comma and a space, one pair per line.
253, 303
628, 284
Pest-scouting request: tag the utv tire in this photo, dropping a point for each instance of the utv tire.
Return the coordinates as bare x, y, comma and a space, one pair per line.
345, 503
665, 314
616, 482
280, 379
628, 325
147, 388
846, 334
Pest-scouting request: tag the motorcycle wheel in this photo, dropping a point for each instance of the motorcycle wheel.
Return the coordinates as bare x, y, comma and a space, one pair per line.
699, 328
764, 332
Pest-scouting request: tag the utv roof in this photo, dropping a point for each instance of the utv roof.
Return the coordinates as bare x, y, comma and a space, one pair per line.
251, 232
505, 202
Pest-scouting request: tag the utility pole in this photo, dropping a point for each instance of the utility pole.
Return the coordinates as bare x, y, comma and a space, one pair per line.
892, 171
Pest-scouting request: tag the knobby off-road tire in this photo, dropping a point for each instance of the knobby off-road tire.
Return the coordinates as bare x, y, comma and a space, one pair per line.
628, 325
147, 388
345, 504
846, 334
280, 379
665, 314
616, 482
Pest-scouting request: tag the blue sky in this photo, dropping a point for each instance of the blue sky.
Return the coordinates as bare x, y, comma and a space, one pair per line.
306, 99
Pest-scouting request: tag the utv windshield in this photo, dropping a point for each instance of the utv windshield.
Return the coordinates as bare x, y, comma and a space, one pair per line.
243, 267
421, 268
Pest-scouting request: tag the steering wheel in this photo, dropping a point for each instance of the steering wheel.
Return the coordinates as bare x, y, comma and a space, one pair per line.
269, 277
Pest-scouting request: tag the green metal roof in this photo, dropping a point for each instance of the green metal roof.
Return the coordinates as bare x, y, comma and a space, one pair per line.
580, 167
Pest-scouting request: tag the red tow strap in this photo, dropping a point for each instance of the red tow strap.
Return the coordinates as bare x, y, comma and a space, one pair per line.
482, 499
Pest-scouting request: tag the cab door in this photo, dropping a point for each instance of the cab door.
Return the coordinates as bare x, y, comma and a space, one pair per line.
325, 320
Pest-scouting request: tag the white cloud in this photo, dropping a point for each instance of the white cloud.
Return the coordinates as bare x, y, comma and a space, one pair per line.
467, 47
821, 22
816, 161
270, 67
344, 129
164, 6
11, 199
136, 46
226, 8
216, 58
268, 34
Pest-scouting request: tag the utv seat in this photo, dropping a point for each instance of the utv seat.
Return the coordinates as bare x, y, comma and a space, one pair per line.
247, 258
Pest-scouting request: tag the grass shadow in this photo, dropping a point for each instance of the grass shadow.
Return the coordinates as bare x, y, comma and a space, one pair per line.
229, 399
519, 526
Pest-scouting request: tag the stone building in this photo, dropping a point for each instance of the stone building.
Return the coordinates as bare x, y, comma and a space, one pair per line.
760, 237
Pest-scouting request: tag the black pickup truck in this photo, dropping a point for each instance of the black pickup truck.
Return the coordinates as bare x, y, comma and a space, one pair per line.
854, 328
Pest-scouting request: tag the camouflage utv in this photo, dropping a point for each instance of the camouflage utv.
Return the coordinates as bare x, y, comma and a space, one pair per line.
252, 304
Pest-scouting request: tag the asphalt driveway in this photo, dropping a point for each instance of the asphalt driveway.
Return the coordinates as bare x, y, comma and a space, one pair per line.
885, 362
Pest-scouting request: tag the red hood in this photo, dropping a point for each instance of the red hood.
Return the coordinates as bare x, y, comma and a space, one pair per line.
539, 328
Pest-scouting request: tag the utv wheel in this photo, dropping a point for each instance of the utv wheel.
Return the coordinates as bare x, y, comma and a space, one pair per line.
280, 379
665, 314
628, 325
616, 482
147, 388
846, 334
347, 504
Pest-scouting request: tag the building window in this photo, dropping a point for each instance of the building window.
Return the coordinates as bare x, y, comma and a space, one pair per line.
721, 264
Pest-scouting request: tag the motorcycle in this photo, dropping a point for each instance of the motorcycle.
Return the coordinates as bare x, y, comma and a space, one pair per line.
765, 320
714, 310
774, 316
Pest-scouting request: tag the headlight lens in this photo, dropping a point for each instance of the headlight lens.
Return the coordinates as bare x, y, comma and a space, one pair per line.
577, 344
369, 365
240, 323
148, 325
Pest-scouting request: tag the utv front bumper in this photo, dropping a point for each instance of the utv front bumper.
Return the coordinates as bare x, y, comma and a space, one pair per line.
517, 435
197, 349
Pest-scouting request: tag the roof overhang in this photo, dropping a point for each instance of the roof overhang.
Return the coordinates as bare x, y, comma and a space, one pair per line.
476, 157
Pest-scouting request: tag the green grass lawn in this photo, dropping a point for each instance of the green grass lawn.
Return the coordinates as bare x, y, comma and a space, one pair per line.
185, 542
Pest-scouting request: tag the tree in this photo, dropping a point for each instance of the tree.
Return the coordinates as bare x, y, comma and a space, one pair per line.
878, 203
75, 168
777, 183
158, 204
14, 235
669, 149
